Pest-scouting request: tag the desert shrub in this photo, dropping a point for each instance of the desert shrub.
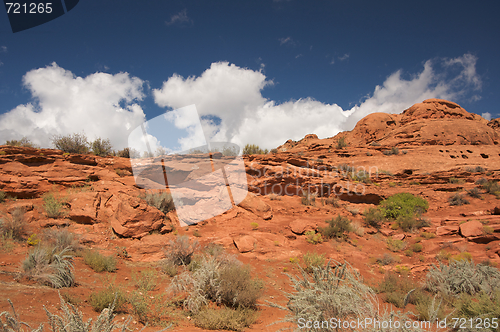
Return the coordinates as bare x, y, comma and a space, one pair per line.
14, 226
477, 169
386, 259
75, 143
329, 292
462, 276
374, 217
72, 320
53, 206
408, 252
462, 256
102, 299
146, 280
50, 267
403, 204
455, 180
331, 201
273, 151
337, 228
396, 245
474, 193
308, 198
393, 151
488, 230
427, 235
313, 237
169, 268
237, 289
161, 200
486, 306
491, 187
410, 223
3, 196
313, 260
219, 279
151, 310
361, 176
341, 143
61, 238
128, 153
23, 142
253, 149
457, 199
254, 225
101, 147
225, 319
417, 247
98, 262
12, 322
181, 250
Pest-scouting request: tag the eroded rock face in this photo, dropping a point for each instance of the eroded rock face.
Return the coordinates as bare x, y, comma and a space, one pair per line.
131, 216
84, 207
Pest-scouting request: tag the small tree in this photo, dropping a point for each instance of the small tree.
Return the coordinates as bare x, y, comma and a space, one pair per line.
101, 147
23, 142
75, 143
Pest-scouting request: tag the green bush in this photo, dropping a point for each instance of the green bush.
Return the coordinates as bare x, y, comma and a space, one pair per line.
237, 289
374, 217
403, 204
102, 299
417, 247
75, 143
14, 226
53, 206
225, 319
396, 245
337, 228
101, 147
253, 149
486, 306
313, 260
98, 262
491, 187
361, 176
313, 237
50, 267
3, 196
410, 223
457, 199
23, 142
161, 200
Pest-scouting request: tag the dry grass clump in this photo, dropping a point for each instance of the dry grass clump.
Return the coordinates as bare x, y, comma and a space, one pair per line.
99, 262
50, 267
225, 319
14, 226
338, 227
60, 239
308, 199
180, 251
53, 206
111, 295
161, 200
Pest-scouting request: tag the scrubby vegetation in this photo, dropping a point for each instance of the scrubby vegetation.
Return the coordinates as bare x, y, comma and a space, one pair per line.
161, 200
99, 262
313, 260
180, 251
338, 227
49, 266
78, 143
457, 199
13, 226
3, 196
220, 279
23, 142
101, 147
308, 198
253, 149
393, 151
53, 205
313, 237
104, 298
341, 143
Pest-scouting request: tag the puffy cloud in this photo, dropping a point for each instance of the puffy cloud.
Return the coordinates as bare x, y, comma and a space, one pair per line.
100, 105
233, 94
486, 115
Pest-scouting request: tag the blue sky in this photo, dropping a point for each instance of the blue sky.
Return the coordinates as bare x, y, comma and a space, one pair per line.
259, 71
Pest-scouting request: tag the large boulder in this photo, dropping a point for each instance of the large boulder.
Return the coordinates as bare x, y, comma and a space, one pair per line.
244, 243
131, 216
471, 228
257, 206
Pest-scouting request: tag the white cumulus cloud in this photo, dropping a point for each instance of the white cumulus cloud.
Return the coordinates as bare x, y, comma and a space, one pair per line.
233, 94
99, 105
